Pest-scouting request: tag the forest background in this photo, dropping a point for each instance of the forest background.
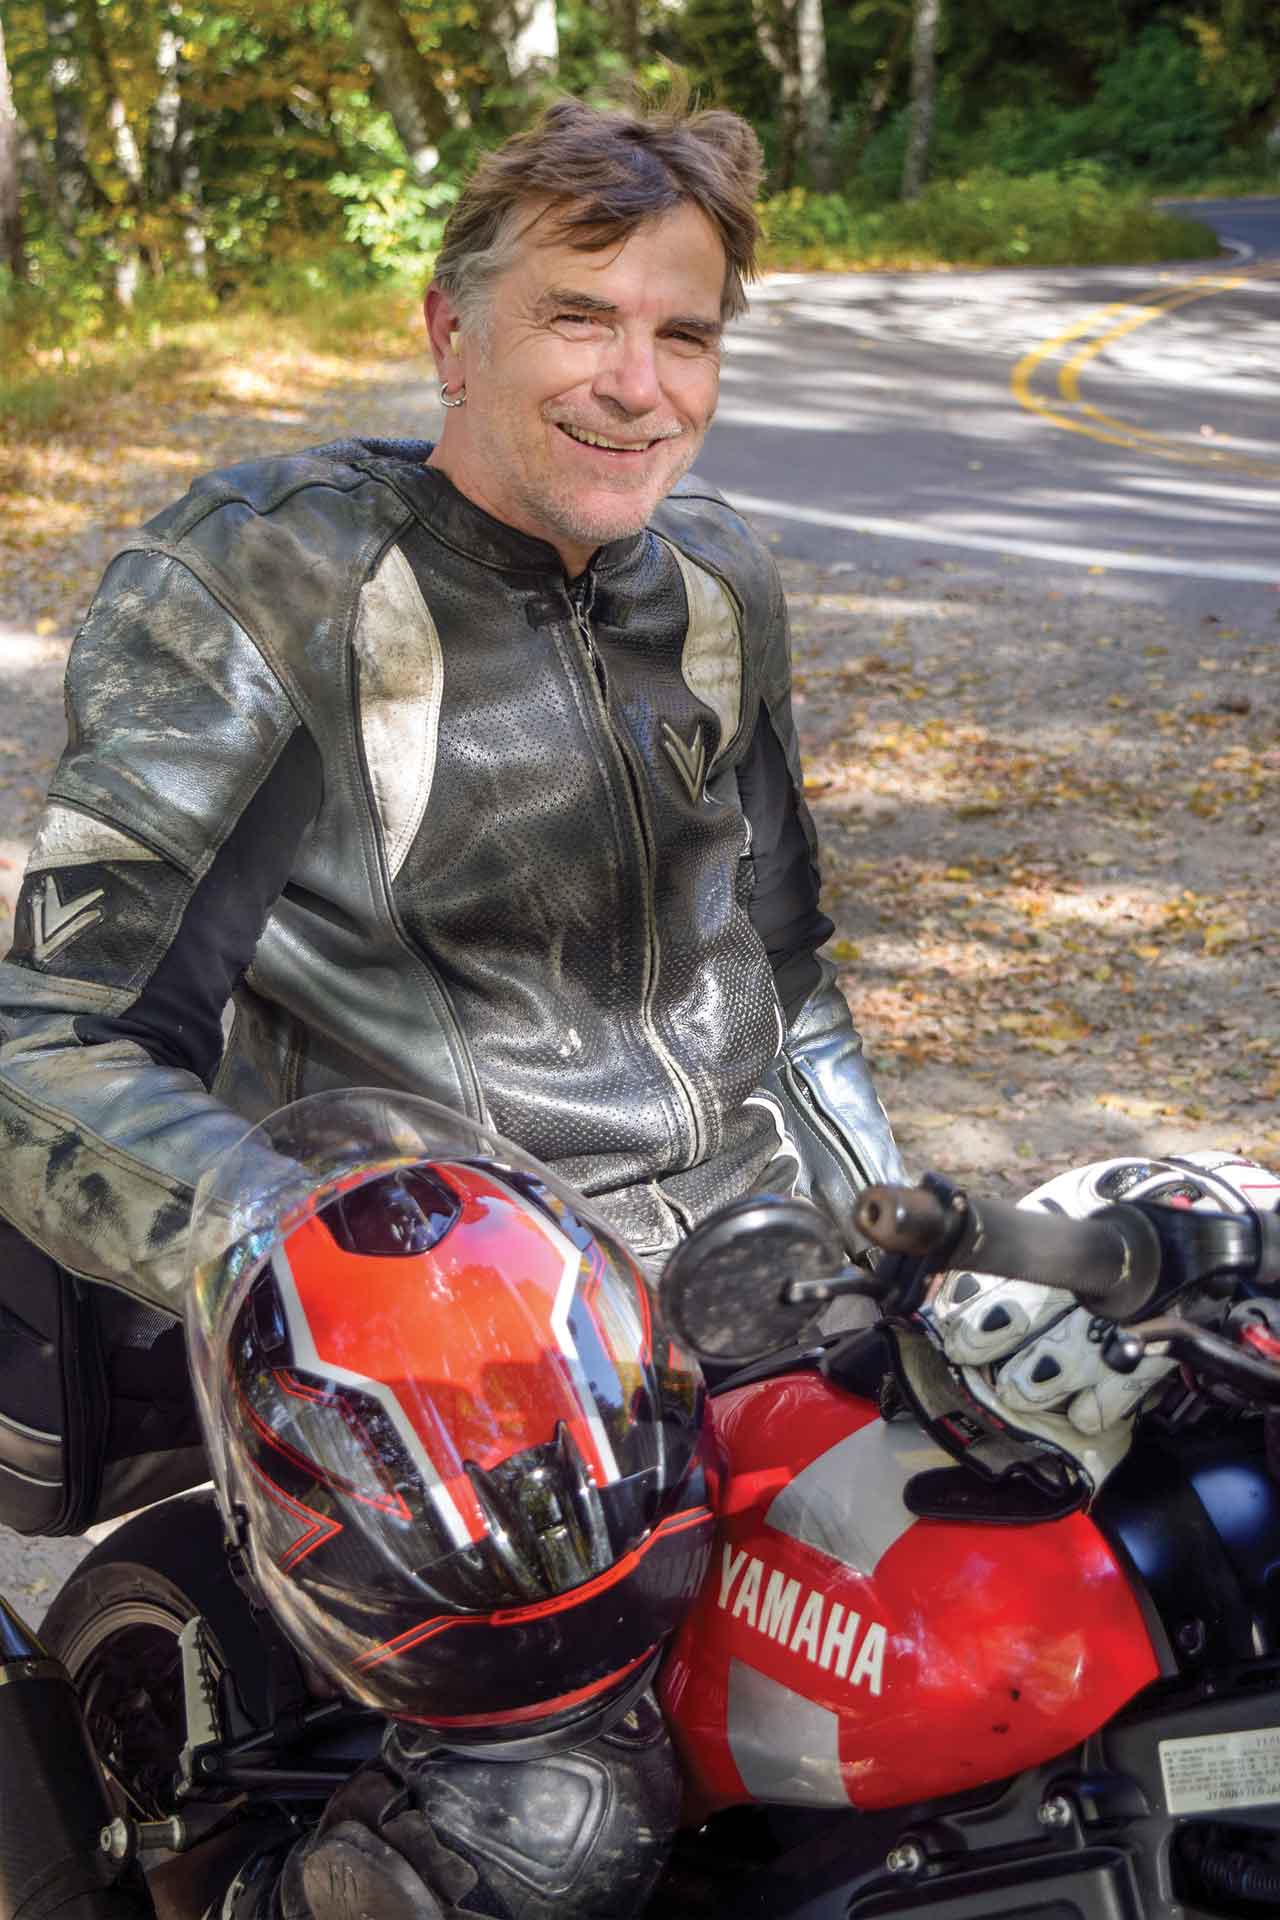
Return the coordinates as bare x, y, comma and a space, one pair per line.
163, 162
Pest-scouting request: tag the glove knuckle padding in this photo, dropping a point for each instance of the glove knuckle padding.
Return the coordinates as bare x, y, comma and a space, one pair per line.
984, 1327
1114, 1396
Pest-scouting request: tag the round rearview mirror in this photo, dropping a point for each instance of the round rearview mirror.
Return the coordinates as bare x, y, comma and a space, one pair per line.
724, 1290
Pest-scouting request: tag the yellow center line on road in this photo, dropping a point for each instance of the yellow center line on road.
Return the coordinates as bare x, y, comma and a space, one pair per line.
1105, 427
1069, 377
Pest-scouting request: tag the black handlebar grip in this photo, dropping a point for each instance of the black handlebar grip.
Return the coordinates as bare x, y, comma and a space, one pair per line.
1110, 1260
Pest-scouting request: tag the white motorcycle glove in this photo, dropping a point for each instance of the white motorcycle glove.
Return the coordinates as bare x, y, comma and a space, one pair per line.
1033, 1357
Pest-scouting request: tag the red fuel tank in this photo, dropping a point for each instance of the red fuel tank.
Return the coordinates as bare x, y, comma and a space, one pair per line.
843, 1651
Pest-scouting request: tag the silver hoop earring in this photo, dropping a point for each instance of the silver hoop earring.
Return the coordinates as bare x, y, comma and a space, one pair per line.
459, 399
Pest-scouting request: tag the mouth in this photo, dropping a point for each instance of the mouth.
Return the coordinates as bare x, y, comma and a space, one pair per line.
612, 448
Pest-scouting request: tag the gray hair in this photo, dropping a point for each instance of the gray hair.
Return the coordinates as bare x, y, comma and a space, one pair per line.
624, 168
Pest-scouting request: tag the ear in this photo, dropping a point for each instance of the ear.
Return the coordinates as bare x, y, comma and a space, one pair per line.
443, 325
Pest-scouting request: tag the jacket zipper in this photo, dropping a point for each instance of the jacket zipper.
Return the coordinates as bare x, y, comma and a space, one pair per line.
581, 597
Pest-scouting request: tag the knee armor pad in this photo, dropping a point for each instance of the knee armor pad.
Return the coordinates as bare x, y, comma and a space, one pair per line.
579, 1835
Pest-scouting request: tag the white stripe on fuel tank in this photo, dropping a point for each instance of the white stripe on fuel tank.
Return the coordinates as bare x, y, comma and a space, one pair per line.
848, 1502
784, 1746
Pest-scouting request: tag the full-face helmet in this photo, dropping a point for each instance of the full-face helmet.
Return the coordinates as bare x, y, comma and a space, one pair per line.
466, 1463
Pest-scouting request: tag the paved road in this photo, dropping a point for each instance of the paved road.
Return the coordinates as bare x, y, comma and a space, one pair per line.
1110, 432
1123, 420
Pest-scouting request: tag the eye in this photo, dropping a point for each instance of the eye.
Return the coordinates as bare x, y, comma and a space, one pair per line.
576, 319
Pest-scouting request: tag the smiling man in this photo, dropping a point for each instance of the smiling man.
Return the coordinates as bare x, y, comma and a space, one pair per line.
467, 770
590, 379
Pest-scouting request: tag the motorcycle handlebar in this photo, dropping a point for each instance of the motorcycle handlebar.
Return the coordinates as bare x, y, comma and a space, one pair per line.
1111, 1260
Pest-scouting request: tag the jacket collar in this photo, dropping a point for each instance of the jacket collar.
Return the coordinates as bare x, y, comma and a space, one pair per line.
463, 525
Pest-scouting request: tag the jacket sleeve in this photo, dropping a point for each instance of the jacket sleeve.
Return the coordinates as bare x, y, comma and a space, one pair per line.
172, 823
820, 1078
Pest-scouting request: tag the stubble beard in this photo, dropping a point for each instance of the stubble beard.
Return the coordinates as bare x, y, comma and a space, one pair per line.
613, 514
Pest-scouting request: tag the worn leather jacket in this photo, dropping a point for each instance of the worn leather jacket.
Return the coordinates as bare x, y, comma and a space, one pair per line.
360, 790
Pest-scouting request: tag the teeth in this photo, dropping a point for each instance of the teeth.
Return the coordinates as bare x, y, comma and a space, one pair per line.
597, 440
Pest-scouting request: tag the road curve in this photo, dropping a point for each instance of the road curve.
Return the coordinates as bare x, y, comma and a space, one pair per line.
1120, 420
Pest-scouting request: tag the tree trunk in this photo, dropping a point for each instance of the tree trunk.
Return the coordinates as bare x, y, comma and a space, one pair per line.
405, 81
924, 36
166, 110
123, 145
191, 195
77, 190
173, 159
12, 252
625, 15
533, 38
776, 40
815, 92
128, 270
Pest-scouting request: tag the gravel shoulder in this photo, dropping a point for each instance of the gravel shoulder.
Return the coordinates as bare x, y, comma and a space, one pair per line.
1047, 821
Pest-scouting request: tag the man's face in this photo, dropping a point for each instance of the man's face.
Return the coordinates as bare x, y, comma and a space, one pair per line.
594, 383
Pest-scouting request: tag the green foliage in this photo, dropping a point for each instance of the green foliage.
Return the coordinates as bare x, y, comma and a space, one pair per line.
61, 306
1239, 52
393, 222
986, 219
1152, 114
290, 166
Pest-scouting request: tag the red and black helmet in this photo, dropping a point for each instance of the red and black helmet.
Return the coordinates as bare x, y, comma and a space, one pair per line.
468, 1464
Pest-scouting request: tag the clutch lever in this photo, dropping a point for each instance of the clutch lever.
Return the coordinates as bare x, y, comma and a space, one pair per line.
898, 1283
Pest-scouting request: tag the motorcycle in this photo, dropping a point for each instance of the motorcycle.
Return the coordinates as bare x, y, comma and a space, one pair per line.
923, 1673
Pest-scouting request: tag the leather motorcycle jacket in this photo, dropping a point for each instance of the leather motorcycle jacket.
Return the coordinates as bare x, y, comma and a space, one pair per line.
359, 789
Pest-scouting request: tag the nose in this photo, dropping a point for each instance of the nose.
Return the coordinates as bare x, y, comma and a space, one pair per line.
628, 374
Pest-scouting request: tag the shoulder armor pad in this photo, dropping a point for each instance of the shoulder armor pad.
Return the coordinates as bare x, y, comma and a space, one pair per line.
698, 519
286, 543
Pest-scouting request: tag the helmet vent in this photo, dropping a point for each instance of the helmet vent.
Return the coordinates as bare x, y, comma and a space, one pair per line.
545, 1518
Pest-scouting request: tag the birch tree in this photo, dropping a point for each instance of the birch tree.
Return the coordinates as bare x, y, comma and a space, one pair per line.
533, 38
791, 35
773, 40
125, 150
814, 92
924, 39
77, 192
405, 81
12, 249
172, 154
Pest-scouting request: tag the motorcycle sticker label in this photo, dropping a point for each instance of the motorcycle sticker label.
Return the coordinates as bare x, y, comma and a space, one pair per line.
1222, 1770
816, 1626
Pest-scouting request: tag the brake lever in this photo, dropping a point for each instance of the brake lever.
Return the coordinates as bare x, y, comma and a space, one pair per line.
832, 1286
1124, 1348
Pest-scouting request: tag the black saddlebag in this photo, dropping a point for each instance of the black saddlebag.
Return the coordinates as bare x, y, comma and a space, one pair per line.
96, 1411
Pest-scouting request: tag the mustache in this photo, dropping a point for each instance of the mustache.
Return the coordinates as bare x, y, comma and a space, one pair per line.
620, 434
